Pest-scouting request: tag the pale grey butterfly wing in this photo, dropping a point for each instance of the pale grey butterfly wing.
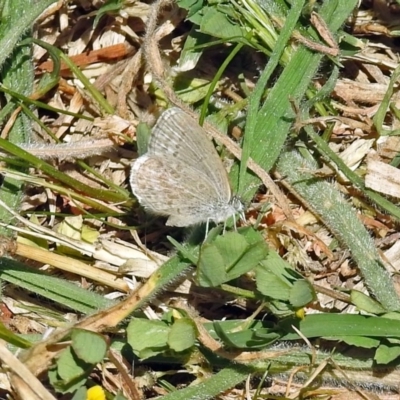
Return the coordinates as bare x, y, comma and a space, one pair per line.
191, 146
181, 175
165, 186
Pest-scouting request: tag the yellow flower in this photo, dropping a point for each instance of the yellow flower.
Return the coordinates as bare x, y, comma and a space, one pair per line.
95, 393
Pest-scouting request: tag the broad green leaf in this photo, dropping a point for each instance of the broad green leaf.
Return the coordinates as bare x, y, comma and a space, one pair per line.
70, 373
80, 394
217, 24
195, 9
271, 285
242, 337
387, 353
275, 278
69, 366
182, 335
191, 90
89, 346
229, 257
301, 293
210, 271
147, 338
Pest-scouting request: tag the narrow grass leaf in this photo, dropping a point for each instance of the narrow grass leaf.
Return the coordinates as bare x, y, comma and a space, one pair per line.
52, 288
12, 32
253, 116
276, 115
337, 325
366, 303
214, 385
380, 116
13, 339
360, 341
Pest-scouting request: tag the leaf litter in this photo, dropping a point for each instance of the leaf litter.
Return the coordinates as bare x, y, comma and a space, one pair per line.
101, 233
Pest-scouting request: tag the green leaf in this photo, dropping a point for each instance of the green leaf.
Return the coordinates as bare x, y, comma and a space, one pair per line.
365, 303
194, 8
212, 387
380, 115
339, 325
217, 24
11, 33
360, 341
191, 90
89, 235
147, 338
70, 367
182, 335
386, 353
191, 54
51, 287
271, 285
238, 334
12, 338
80, 394
143, 133
89, 346
275, 279
391, 315
70, 372
17, 74
107, 7
119, 396
229, 257
301, 293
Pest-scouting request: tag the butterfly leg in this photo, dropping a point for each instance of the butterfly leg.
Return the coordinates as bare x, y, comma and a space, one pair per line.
207, 227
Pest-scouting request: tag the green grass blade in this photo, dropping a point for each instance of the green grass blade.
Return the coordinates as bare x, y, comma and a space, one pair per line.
17, 74
218, 383
275, 117
259, 90
52, 288
18, 23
